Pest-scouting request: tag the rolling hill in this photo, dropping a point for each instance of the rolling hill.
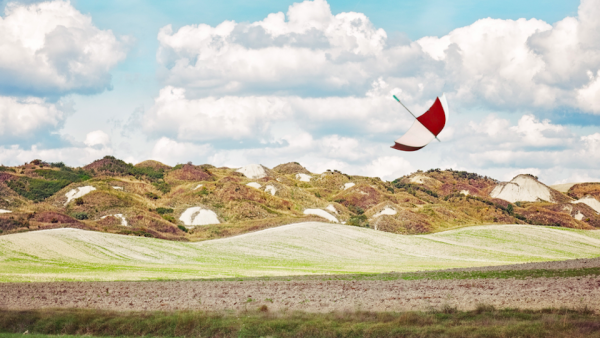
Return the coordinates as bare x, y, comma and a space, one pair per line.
295, 249
199, 202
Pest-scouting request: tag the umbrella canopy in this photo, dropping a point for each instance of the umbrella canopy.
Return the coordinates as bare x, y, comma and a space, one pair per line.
425, 128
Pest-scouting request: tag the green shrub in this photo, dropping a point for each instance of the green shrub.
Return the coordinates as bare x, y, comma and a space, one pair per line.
162, 186
3, 168
163, 211
80, 215
169, 218
79, 201
182, 228
152, 195
36, 189
359, 221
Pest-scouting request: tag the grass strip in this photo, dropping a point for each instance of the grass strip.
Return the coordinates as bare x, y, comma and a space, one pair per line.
433, 275
485, 321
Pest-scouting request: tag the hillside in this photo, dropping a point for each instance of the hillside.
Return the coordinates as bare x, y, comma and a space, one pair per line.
198, 202
295, 249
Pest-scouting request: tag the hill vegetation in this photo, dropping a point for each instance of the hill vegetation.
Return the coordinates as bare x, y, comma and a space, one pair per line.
190, 202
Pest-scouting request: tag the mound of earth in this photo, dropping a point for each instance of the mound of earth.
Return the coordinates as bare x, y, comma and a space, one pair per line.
291, 168
153, 164
581, 190
190, 172
526, 188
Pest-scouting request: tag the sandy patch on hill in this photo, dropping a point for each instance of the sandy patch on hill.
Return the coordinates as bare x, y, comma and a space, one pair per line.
198, 187
119, 216
253, 171
332, 209
78, 192
271, 189
254, 185
321, 213
3, 211
198, 216
522, 188
303, 177
591, 202
117, 188
348, 185
386, 211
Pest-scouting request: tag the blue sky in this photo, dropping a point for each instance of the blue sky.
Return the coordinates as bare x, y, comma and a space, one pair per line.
155, 79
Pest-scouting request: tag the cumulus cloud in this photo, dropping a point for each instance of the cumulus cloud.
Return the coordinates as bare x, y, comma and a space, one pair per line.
97, 138
50, 49
172, 152
73, 155
311, 52
24, 117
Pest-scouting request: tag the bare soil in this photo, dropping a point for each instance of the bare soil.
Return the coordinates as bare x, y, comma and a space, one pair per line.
315, 295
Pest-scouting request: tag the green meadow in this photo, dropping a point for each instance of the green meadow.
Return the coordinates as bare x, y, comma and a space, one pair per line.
296, 249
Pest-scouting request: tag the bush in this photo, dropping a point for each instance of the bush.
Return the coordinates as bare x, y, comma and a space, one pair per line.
162, 186
79, 201
163, 211
510, 209
152, 195
169, 218
182, 228
80, 215
36, 189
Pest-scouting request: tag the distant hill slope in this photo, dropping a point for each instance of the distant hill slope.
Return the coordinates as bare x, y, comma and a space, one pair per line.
305, 248
196, 202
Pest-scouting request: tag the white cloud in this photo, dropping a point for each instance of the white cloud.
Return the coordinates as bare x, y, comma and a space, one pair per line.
50, 48
492, 62
24, 117
388, 167
97, 138
74, 156
172, 152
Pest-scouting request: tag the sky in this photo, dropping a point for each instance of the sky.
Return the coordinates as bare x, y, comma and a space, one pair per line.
236, 82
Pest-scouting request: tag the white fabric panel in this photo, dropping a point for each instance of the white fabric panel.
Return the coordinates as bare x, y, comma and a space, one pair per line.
445, 106
416, 136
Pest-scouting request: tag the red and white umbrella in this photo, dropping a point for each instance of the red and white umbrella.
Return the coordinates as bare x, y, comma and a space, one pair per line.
425, 128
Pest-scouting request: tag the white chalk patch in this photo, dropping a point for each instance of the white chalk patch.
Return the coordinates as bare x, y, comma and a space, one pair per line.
419, 179
321, 213
123, 220
522, 188
197, 216
253, 171
303, 177
386, 211
271, 189
254, 185
3, 211
117, 188
331, 208
78, 192
465, 192
591, 201
198, 187
579, 216
348, 185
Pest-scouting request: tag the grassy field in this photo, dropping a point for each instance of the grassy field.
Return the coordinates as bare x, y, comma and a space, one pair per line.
297, 249
485, 321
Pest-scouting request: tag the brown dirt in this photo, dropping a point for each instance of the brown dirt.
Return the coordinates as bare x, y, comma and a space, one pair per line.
152, 164
581, 190
307, 295
190, 173
290, 168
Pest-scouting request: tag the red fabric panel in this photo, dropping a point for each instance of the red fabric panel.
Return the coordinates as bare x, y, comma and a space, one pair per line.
403, 147
435, 118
